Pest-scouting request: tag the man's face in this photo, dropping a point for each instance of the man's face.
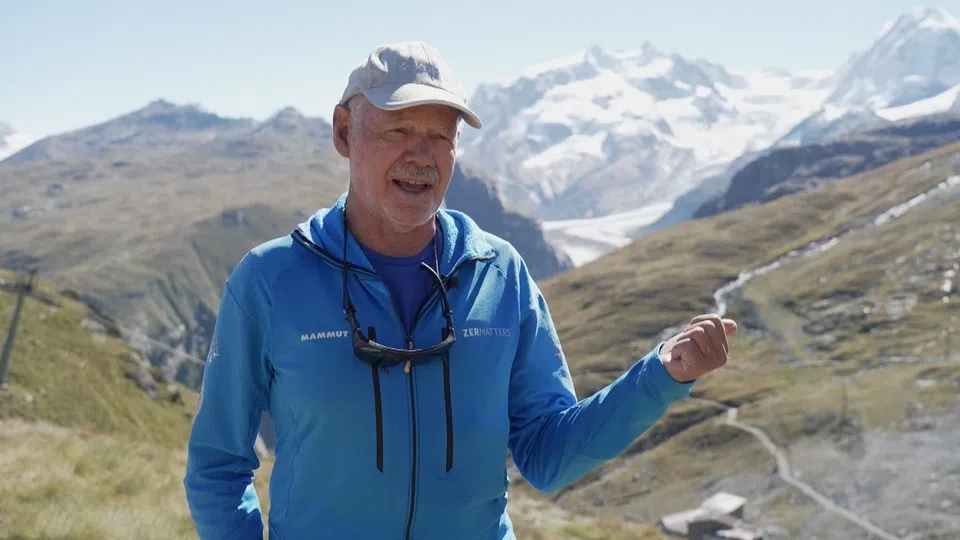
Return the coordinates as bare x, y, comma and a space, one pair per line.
400, 161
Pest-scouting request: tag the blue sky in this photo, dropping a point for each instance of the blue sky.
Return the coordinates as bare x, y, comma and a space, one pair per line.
70, 63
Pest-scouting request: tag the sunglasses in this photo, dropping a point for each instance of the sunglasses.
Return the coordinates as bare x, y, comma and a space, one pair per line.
376, 354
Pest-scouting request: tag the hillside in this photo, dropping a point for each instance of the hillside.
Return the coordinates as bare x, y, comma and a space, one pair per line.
91, 437
796, 168
471, 192
844, 357
151, 242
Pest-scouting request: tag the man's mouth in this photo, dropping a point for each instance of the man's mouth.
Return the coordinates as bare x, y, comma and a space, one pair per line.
412, 185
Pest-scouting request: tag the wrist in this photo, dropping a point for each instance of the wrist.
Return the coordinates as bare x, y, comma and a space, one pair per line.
673, 369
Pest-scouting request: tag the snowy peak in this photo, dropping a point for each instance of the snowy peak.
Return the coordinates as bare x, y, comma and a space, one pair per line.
573, 136
923, 17
915, 58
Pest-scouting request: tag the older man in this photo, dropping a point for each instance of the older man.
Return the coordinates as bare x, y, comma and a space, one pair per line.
401, 351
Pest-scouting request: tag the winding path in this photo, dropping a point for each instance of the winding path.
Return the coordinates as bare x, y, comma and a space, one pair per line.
814, 248
783, 470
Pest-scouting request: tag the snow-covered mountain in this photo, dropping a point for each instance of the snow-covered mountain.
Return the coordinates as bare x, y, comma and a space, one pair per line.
619, 136
916, 57
831, 121
606, 131
12, 141
912, 69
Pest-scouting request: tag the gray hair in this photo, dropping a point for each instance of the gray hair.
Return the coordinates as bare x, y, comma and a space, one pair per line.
357, 106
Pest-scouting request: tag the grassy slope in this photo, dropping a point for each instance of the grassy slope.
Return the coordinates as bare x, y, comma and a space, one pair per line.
663, 279
84, 452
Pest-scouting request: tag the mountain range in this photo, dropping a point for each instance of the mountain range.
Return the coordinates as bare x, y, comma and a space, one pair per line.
616, 134
634, 139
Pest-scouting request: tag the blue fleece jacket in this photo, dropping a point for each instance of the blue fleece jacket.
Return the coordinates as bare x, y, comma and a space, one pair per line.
368, 453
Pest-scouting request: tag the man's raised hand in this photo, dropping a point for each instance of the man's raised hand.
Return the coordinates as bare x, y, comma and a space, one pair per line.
699, 348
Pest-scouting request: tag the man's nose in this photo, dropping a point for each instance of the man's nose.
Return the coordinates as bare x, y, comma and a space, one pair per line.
418, 151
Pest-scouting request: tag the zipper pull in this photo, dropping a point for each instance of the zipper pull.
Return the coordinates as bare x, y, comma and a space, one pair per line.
406, 367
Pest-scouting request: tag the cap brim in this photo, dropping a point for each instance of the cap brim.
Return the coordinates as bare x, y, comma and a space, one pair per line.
394, 97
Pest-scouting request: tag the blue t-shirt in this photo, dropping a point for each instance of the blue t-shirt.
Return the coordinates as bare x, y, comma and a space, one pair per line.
406, 280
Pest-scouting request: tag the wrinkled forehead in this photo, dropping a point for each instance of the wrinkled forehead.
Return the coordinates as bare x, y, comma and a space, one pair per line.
435, 115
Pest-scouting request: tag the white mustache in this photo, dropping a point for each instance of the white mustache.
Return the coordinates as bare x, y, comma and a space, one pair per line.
421, 173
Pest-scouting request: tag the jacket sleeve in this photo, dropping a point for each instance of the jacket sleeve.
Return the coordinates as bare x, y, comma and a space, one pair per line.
220, 455
554, 438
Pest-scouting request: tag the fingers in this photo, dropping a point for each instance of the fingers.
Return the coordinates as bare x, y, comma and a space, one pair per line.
730, 327
698, 335
715, 329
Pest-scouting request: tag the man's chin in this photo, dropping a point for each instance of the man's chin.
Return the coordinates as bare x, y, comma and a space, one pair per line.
409, 219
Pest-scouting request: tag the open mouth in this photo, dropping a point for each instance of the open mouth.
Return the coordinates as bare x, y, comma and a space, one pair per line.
412, 186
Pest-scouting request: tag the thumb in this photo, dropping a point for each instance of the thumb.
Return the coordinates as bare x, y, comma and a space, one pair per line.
730, 326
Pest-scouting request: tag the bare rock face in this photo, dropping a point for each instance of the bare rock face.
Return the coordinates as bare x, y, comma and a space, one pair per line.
788, 170
476, 196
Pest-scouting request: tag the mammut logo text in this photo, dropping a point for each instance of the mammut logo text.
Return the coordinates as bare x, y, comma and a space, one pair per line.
477, 332
324, 335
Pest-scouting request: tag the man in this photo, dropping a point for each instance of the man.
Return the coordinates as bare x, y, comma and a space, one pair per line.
401, 351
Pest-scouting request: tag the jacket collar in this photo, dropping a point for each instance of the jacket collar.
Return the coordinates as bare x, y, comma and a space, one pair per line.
462, 238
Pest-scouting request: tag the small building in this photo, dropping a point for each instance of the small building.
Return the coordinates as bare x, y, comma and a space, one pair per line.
719, 517
726, 504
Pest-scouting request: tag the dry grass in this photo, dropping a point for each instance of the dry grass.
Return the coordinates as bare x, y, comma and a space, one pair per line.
536, 518
61, 483
781, 381
611, 311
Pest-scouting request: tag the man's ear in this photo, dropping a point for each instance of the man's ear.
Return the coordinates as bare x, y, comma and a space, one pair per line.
341, 130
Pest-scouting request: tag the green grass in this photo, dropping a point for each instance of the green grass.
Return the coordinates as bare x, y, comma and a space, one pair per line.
66, 373
666, 278
84, 452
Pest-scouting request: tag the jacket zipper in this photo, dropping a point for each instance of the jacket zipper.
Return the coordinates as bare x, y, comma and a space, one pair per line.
434, 293
413, 446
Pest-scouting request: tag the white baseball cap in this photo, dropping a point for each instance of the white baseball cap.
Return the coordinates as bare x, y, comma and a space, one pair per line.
406, 74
